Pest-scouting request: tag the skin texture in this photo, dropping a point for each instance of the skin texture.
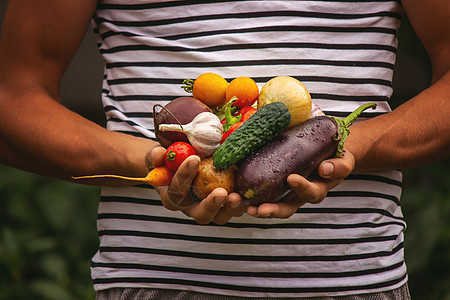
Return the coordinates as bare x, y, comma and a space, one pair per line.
39, 135
416, 133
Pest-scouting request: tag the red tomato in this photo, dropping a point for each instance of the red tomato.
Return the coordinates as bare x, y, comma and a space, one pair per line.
247, 112
177, 153
230, 131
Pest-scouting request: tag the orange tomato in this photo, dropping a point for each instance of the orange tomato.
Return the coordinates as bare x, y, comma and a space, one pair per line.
210, 89
245, 89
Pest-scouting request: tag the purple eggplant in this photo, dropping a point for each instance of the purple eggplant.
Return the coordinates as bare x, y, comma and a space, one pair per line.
300, 149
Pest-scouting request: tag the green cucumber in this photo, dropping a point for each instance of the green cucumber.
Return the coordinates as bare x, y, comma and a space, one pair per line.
257, 131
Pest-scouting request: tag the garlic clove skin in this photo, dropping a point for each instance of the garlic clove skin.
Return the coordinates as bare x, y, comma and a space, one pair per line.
315, 111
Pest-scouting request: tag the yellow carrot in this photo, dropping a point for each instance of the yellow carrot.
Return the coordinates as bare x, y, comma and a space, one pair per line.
159, 176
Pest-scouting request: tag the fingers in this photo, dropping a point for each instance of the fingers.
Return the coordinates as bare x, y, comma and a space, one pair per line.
307, 191
303, 191
281, 210
233, 207
206, 210
176, 196
337, 168
155, 157
332, 172
219, 207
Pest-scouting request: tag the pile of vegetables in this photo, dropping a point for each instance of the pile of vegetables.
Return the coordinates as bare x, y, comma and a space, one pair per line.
249, 140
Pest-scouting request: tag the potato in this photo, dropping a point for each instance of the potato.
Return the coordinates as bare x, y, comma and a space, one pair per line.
208, 178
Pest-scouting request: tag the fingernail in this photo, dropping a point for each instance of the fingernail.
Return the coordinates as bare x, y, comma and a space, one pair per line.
234, 204
219, 200
193, 164
294, 183
266, 216
327, 169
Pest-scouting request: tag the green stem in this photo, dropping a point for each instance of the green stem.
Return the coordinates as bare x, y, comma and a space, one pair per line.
188, 85
352, 117
343, 124
230, 119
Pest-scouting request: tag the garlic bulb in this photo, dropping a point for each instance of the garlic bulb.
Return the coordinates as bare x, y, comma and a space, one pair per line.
204, 132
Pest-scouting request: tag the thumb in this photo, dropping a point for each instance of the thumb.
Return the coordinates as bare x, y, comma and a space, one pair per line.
155, 157
337, 168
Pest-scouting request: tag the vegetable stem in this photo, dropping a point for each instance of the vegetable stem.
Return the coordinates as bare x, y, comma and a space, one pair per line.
188, 85
355, 114
343, 124
230, 119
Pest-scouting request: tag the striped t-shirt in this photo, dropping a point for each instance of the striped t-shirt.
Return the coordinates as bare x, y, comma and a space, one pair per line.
344, 53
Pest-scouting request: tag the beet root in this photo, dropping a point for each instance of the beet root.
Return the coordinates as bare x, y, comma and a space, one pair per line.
181, 111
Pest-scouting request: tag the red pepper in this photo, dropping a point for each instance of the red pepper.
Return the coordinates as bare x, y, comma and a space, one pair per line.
245, 109
230, 131
247, 112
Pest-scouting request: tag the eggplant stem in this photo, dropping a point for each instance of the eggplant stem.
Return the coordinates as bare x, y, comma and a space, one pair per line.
355, 114
344, 124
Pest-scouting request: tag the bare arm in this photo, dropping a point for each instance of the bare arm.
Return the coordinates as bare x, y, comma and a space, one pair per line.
418, 131
37, 133
40, 135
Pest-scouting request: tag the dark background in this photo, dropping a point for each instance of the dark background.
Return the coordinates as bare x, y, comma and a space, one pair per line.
48, 227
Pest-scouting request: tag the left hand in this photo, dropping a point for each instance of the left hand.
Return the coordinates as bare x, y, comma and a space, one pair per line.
218, 207
330, 172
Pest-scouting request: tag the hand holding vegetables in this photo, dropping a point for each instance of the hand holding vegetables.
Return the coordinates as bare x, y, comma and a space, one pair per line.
270, 147
264, 173
218, 206
330, 173
299, 150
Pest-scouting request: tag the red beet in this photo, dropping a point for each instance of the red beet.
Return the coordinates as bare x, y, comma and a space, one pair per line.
182, 111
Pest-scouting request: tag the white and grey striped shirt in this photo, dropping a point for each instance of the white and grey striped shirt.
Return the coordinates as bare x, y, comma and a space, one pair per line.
344, 53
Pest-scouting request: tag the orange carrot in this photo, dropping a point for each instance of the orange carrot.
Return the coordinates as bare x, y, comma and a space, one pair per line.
157, 177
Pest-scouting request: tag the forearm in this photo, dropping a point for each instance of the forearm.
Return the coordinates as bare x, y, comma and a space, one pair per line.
40, 135
37, 133
416, 133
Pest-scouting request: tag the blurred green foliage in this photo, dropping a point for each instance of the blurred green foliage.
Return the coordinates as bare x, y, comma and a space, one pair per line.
47, 237
426, 208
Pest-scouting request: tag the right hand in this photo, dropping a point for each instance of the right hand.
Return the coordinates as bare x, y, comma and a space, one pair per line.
330, 173
218, 207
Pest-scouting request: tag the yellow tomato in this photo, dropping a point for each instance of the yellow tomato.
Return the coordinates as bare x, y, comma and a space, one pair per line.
245, 89
210, 89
